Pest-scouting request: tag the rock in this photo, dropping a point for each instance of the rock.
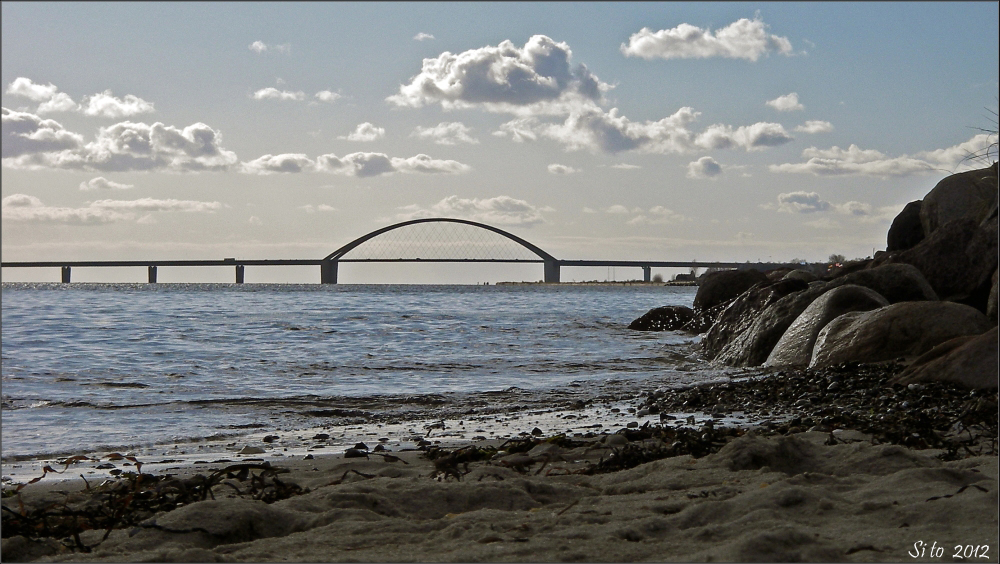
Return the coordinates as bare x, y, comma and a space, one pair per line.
849, 267
906, 230
969, 195
251, 450
957, 260
719, 287
796, 345
750, 340
894, 282
737, 316
970, 361
667, 318
355, 453
906, 329
991, 303
800, 274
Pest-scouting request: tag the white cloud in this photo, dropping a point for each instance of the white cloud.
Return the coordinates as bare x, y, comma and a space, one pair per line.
625, 166
786, 103
504, 78
854, 161
618, 209
705, 167
104, 104
445, 133
21, 207
422, 36
327, 96
309, 208
657, 215
800, 202
964, 152
562, 169
501, 210
60, 102
35, 92
365, 132
750, 137
815, 126
30, 142
271, 164
742, 39
260, 47
271, 93
364, 165
27, 134
101, 183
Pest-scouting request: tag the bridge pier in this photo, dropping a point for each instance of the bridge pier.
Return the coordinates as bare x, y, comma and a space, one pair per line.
646, 270
151, 271
65, 274
328, 272
239, 273
551, 272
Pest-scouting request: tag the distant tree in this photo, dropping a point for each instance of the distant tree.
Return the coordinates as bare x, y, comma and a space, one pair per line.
836, 259
657, 278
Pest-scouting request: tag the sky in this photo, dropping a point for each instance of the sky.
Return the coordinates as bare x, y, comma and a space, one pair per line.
631, 131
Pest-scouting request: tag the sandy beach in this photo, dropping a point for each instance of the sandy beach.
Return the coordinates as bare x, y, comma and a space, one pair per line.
808, 496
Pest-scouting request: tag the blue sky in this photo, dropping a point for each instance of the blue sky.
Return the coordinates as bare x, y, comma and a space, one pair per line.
709, 131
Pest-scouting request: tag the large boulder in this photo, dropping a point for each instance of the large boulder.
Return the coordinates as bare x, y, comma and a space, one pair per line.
739, 315
971, 361
750, 341
969, 195
906, 329
667, 318
957, 260
991, 303
800, 274
906, 230
895, 282
718, 287
796, 345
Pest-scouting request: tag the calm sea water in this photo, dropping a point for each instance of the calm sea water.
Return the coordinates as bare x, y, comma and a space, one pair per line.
103, 366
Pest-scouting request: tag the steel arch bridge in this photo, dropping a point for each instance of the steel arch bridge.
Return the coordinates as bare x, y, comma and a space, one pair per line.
329, 266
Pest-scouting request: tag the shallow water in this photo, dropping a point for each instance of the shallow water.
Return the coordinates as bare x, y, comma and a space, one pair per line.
112, 366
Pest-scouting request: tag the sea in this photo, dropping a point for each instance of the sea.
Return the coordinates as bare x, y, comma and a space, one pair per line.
90, 367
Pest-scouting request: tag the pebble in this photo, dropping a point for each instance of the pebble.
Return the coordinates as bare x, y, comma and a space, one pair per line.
251, 450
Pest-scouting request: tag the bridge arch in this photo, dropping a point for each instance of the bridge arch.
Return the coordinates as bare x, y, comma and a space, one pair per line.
329, 267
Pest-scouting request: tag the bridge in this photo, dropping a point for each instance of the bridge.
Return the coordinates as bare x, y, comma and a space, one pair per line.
492, 244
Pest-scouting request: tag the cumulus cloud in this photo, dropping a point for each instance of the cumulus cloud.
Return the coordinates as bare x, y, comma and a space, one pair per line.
22, 207
101, 183
271, 164
815, 126
501, 210
445, 133
327, 96
60, 102
365, 132
869, 162
106, 105
657, 215
309, 208
810, 202
35, 92
30, 142
742, 39
625, 166
786, 103
364, 165
504, 78
705, 167
422, 36
261, 47
561, 169
271, 93
619, 209
749, 137
25, 134
802, 202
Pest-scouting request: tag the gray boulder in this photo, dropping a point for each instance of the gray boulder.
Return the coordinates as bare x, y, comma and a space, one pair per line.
739, 315
722, 286
991, 304
969, 195
796, 346
971, 361
800, 274
895, 282
906, 329
667, 318
751, 339
906, 230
